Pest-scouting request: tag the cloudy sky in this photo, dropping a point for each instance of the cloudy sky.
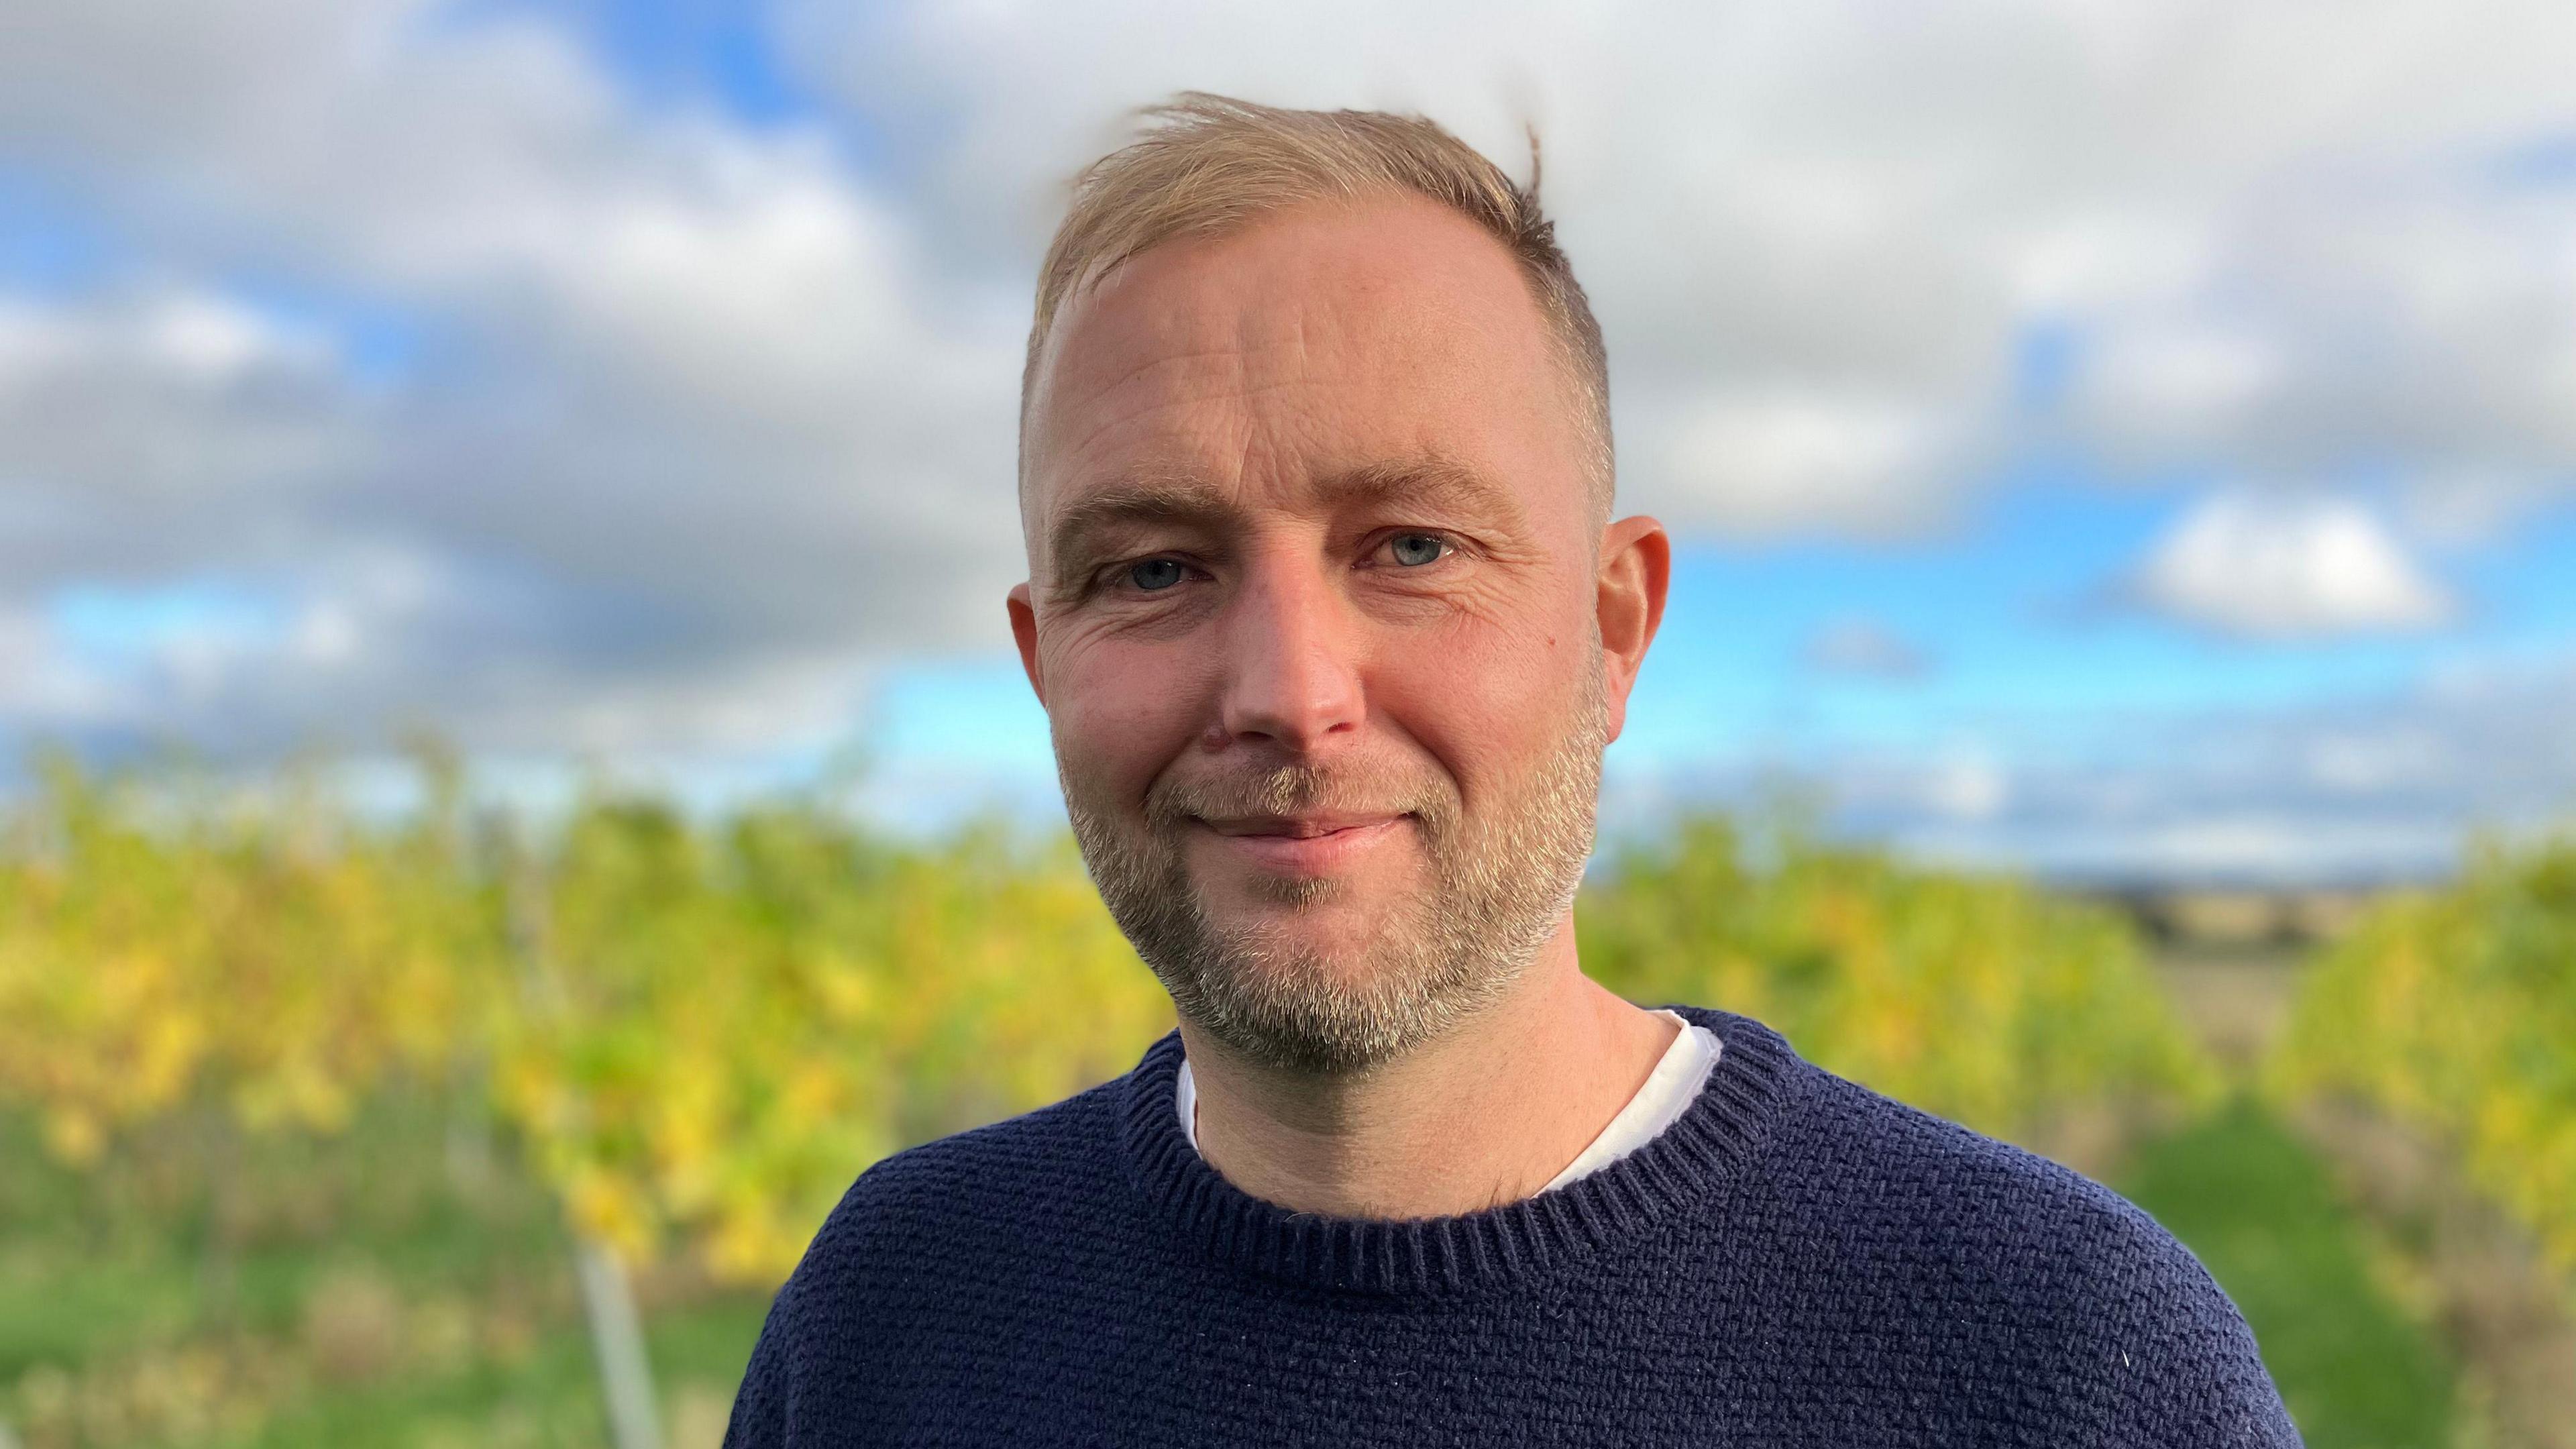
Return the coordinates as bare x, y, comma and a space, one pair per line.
2107, 437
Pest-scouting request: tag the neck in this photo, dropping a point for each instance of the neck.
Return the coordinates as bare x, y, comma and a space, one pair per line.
1482, 1116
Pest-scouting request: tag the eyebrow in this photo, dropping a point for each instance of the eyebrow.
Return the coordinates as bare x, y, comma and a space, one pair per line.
1172, 500
1435, 483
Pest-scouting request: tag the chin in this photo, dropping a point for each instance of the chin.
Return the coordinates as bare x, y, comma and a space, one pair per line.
1329, 928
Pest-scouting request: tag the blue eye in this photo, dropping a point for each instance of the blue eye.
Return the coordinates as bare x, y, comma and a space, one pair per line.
1155, 574
1416, 549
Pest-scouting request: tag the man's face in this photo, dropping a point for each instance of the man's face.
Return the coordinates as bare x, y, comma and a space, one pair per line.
1312, 608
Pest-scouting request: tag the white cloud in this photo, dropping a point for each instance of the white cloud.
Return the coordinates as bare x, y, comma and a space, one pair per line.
2288, 567
1859, 645
2160, 382
1794, 459
1967, 787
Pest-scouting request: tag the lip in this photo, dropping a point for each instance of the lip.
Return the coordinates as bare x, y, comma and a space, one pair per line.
1317, 846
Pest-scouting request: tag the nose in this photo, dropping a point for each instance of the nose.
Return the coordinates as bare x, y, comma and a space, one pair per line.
1291, 645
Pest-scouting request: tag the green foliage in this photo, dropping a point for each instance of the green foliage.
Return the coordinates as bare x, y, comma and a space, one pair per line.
277, 963
1979, 999
720, 1026
699, 1031
2455, 1011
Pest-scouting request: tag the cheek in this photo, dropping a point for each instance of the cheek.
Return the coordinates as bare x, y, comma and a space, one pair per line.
1121, 713
1484, 701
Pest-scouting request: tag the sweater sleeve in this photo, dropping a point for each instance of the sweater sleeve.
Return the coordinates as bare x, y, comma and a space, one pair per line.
759, 1407
2184, 1367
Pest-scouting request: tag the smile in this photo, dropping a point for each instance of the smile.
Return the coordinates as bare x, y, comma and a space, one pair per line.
1302, 847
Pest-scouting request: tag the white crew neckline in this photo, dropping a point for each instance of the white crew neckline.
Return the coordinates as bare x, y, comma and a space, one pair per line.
1668, 1091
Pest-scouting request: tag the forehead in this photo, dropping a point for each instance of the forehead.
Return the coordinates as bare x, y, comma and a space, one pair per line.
1319, 340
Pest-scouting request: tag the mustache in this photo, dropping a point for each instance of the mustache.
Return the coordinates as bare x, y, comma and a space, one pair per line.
1297, 789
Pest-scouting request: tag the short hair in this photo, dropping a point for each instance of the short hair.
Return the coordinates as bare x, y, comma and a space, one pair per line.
1214, 163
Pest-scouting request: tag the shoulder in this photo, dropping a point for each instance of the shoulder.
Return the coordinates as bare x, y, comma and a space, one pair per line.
998, 1178
890, 1260
1884, 1155
2148, 1344
1847, 1159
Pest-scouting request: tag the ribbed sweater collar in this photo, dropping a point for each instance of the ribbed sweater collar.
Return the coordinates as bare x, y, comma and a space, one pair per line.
1704, 1149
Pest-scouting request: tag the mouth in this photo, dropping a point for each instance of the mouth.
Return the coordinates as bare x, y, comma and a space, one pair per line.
1307, 845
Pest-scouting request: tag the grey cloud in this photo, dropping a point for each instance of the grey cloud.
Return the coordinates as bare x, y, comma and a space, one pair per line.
707, 436
731, 414
2274, 228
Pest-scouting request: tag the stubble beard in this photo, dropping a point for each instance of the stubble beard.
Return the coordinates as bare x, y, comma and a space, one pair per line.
1498, 886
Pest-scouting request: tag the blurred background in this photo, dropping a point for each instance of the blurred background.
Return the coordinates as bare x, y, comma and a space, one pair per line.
514, 786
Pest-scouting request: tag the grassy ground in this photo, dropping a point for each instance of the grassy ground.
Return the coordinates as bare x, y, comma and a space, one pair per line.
548, 1399
2260, 1210
369, 1293
454, 1323
2260, 1204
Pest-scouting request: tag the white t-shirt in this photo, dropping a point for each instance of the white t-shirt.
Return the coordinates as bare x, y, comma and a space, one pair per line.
1669, 1088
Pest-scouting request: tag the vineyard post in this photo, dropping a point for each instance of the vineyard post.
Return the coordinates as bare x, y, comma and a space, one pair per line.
617, 1335
607, 1299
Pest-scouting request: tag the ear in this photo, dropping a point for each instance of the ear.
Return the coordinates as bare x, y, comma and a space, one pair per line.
1636, 570
1024, 632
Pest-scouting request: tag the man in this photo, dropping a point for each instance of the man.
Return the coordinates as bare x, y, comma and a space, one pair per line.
1331, 625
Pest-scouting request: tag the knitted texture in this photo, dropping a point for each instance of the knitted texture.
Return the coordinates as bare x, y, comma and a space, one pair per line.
1796, 1260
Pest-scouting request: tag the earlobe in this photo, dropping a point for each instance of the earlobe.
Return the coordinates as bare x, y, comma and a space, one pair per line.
1024, 633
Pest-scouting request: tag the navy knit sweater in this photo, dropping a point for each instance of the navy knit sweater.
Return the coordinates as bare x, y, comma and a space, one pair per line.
1796, 1260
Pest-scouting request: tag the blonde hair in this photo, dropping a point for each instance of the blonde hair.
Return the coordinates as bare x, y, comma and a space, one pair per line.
1214, 163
